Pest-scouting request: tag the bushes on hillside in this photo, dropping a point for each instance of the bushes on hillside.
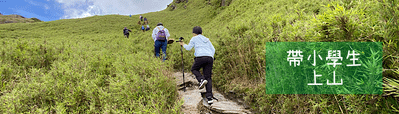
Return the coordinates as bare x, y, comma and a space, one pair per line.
54, 77
241, 43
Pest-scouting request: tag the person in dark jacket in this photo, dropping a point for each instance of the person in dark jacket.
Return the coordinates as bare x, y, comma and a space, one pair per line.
145, 20
148, 28
126, 32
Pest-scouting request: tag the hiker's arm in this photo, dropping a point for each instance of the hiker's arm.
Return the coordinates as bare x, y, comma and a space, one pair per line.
190, 45
154, 33
167, 34
212, 49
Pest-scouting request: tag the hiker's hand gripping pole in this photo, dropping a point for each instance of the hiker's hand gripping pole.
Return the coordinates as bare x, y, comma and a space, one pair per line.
182, 64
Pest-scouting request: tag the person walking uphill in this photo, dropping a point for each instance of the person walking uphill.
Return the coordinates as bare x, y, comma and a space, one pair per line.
160, 36
204, 56
126, 32
142, 28
148, 28
145, 20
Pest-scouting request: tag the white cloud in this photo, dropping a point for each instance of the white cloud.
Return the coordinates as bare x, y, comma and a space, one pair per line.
46, 6
86, 8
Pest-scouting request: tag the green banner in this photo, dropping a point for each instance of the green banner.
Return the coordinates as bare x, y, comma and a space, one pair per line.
324, 68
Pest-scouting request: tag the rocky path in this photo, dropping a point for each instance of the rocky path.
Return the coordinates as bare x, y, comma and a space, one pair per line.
193, 103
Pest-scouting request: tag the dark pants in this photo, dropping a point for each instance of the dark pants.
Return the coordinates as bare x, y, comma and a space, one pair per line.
127, 35
160, 44
206, 63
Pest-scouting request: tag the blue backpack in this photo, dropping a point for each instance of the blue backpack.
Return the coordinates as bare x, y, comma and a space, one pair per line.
142, 27
161, 35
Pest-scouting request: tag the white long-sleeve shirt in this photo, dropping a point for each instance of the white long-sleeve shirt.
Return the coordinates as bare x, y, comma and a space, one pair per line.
156, 30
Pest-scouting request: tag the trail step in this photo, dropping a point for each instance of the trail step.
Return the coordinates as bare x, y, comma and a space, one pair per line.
195, 103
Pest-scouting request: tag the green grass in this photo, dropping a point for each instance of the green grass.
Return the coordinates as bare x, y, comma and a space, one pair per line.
73, 65
64, 67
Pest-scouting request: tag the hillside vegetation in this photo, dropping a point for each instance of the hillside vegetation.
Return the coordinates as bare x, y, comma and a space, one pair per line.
16, 19
85, 65
241, 29
82, 66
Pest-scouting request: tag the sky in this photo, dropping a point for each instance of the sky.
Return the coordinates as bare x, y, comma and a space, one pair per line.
49, 10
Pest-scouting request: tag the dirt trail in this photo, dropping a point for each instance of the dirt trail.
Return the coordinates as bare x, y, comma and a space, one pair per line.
193, 100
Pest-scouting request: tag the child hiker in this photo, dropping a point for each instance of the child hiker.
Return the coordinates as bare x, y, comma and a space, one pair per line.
204, 56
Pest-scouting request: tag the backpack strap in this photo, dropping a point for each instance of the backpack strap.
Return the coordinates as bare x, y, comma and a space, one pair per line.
160, 29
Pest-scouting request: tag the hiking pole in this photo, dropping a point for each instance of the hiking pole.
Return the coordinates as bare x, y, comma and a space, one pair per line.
182, 64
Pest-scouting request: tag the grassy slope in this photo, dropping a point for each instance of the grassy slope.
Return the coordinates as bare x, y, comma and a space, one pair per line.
82, 65
238, 31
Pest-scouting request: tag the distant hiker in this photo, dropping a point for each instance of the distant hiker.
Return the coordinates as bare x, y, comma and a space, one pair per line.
142, 28
160, 36
126, 32
139, 22
141, 18
148, 28
145, 20
130, 15
204, 56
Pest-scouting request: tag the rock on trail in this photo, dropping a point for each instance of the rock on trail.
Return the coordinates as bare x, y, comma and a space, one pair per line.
193, 103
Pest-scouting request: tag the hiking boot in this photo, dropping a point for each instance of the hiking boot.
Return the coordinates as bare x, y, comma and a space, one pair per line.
202, 84
210, 100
